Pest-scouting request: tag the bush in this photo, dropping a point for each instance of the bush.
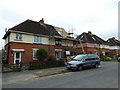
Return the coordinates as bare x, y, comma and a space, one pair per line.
108, 59
51, 58
41, 54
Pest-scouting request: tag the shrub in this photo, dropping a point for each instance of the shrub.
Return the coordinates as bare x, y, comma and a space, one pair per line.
51, 58
108, 59
41, 54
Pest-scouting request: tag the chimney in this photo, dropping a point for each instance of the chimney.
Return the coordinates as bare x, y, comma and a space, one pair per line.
89, 32
113, 37
41, 21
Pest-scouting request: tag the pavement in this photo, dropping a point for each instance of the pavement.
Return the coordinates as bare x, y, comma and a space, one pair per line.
13, 77
106, 76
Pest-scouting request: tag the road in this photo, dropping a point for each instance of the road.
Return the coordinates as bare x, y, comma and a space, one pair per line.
106, 76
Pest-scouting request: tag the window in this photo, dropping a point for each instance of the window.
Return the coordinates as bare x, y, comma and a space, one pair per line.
92, 57
37, 39
90, 52
95, 45
95, 52
103, 46
34, 53
18, 36
58, 42
79, 58
58, 55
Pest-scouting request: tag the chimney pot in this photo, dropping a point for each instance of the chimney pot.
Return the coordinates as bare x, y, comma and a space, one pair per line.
89, 32
113, 37
41, 21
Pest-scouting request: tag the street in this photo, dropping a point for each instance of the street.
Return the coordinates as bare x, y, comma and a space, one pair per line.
106, 76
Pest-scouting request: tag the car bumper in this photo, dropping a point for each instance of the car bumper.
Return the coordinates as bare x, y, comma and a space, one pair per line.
71, 67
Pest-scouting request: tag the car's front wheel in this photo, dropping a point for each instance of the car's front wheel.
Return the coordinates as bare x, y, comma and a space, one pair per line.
96, 65
80, 67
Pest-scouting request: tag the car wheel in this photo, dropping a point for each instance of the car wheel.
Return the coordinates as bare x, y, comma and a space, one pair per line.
80, 68
96, 65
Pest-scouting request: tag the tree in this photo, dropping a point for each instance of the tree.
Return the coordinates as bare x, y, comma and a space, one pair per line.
41, 54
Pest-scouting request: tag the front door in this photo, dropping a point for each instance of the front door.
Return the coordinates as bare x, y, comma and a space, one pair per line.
17, 57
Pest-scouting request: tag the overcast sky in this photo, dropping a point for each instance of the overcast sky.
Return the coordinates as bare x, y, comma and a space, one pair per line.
98, 16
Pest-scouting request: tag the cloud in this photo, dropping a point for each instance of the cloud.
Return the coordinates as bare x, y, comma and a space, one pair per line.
99, 16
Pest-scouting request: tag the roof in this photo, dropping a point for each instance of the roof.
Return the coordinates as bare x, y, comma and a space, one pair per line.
113, 42
34, 27
62, 32
91, 38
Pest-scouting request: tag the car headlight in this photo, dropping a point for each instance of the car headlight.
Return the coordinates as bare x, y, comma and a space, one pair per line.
73, 65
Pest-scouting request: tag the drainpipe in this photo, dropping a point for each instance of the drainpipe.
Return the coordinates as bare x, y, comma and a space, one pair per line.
8, 53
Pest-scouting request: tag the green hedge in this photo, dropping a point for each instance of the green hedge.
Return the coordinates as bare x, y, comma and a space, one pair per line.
108, 59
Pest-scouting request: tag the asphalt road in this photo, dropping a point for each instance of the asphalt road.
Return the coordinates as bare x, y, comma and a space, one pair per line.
106, 76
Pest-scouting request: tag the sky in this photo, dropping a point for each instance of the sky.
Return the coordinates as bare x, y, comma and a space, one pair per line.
98, 16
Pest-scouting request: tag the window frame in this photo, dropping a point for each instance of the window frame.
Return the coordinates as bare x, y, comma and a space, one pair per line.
33, 52
58, 42
18, 36
37, 39
58, 55
95, 45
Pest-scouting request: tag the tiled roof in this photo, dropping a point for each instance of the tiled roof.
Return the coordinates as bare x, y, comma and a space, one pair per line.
91, 38
113, 42
34, 27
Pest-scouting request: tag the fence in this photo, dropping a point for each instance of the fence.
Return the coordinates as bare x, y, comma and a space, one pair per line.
45, 64
31, 65
11, 67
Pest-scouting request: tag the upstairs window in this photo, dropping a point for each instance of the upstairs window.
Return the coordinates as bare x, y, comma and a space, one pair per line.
18, 36
37, 39
58, 42
95, 45
103, 46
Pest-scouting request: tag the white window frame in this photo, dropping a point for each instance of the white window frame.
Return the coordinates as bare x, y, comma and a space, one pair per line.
103, 46
34, 51
37, 39
18, 36
58, 56
95, 52
95, 45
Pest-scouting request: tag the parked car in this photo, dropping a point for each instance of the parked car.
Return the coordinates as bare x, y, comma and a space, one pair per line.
82, 61
118, 59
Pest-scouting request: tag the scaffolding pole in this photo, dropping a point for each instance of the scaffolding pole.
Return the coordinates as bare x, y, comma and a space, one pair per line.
82, 46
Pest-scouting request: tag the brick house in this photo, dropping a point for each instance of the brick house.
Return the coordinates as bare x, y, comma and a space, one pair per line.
114, 45
91, 44
23, 40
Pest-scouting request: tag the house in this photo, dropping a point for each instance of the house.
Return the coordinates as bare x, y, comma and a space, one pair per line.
114, 45
91, 44
23, 40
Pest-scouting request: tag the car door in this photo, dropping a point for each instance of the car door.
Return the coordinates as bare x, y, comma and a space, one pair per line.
93, 60
87, 62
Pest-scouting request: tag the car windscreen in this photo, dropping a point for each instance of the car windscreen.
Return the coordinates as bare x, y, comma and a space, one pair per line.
78, 58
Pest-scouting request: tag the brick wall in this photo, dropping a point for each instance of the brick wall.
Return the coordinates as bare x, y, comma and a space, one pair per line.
27, 55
